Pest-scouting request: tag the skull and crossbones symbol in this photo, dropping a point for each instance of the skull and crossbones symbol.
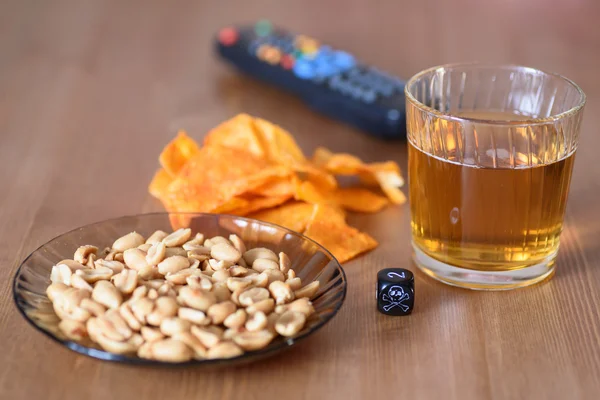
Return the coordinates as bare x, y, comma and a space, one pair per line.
395, 298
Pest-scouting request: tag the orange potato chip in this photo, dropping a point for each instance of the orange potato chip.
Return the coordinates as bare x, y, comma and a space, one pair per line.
277, 187
279, 144
293, 215
216, 175
237, 133
159, 183
308, 192
343, 241
258, 203
177, 153
359, 199
385, 174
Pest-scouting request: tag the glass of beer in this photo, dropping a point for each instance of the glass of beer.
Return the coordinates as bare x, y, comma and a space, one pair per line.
491, 151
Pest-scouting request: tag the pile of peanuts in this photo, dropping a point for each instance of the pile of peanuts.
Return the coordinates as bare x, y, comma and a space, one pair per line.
177, 297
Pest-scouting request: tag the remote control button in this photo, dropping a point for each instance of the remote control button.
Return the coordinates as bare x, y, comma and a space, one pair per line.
262, 51
393, 115
344, 60
304, 70
369, 96
263, 27
272, 55
228, 36
287, 62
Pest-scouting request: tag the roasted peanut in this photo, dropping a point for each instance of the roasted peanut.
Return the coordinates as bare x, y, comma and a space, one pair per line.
141, 308
294, 283
157, 237
225, 252
291, 274
55, 290
126, 281
194, 264
266, 306
128, 317
260, 280
255, 340
290, 323
173, 264
252, 296
215, 240
73, 330
171, 350
156, 253
145, 247
61, 273
175, 251
308, 291
224, 350
221, 275
217, 265
236, 320
197, 298
78, 282
256, 321
208, 336
274, 275
259, 252
151, 334
72, 264
95, 275
238, 271
281, 292
284, 262
114, 266
83, 252
302, 305
192, 342
199, 281
173, 325
114, 255
218, 312
196, 317
180, 277
129, 241
135, 259
94, 308
139, 292
237, 243
262, 264
107, 294
238, 283
177, 238
198, 239
164, 307
148, 273
221, 291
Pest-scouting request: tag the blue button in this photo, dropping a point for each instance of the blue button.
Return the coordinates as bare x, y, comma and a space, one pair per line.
369, 96
344, 60
334, 82
304, 70
386, 90
356, 92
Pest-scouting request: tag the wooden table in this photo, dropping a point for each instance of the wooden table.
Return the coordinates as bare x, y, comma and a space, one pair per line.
90, 91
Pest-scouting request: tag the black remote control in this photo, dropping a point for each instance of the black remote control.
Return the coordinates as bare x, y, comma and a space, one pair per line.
331, 81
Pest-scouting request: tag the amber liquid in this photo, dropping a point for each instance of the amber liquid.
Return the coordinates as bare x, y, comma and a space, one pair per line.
505, 217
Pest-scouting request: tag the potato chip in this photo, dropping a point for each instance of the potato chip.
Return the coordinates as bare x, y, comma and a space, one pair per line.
257, 203
359, 199
214, 176
277, 187
237, 133
343, 241
386, 174
278, 143
177, 153
159, 184
293, 215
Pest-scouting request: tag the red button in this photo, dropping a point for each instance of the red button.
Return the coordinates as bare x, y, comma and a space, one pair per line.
287, 62
228, 36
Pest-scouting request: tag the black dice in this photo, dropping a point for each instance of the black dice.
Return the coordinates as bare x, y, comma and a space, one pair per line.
395, 291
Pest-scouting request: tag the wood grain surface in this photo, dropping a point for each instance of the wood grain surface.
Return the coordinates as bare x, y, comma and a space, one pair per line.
90, 91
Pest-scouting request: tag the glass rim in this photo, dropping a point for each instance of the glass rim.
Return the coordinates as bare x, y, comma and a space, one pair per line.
529, 121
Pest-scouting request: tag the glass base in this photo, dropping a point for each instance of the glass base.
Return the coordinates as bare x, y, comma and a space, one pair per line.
483, 280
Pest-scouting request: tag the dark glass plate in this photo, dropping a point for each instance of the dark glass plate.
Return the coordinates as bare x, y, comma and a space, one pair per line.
310, 261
